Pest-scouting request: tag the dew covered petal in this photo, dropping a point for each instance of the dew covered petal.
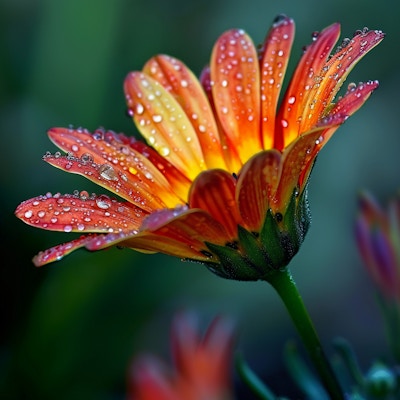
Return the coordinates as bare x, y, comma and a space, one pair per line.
229, 150
235, 77
354, 98
288, 120
256, 187
214, 192
274, 57
106, 159
180, 233
163, 123
177, 79
298, 159
56, 253
180, 184
334, 73
80, 213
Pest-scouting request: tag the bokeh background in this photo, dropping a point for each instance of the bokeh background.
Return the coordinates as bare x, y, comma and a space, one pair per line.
70, 329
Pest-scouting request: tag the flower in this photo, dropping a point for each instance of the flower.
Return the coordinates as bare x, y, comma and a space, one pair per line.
222, 179
202, 365
378, 239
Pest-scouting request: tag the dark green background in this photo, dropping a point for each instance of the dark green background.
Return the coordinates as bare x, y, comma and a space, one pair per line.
69, 329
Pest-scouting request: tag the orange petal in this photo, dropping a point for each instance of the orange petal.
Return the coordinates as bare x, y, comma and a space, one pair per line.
334, 73
182, 234
257, 184
106, 159
231, 156
304, 78
163, 123
175, 77
56, 253
214, 192
235, 75
354, 98
80, 213
274, 58
297, 160
180, 183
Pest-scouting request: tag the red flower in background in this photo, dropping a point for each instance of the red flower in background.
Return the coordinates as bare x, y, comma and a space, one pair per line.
202, 365
222, 178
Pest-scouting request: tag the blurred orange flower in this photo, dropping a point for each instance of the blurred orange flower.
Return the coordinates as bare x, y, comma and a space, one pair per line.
202, 365
222, 178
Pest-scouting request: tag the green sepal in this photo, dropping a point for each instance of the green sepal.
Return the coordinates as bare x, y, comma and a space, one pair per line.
252, 249
297, 219
233, 264
272, 241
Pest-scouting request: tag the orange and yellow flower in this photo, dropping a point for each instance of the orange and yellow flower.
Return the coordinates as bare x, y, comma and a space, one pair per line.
222, 178
202, 365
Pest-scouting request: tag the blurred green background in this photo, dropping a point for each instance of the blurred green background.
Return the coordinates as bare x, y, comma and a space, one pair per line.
70, 329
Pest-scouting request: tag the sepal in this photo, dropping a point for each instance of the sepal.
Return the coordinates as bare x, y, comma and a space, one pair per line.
233, 265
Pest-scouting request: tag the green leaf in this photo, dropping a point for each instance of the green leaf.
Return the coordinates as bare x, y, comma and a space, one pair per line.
302, 375
252, 380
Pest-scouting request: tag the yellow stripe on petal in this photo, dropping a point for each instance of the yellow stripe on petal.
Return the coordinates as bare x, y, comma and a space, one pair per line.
175, 77
274, 58
163, 123
235, 78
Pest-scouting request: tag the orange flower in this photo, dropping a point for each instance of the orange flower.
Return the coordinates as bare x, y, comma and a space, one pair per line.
222, 178
202, 365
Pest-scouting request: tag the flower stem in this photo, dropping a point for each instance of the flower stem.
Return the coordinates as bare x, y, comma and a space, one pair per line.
286, 288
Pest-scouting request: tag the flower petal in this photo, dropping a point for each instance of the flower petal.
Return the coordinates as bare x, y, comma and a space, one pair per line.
214, 192
256, 186
304, 78
180, 184
274, 58
80, 213
56, 253
163, 123
298, 158
175, 77
333, 74
235, 74
180, 235
104, 158
231, 156
354, 98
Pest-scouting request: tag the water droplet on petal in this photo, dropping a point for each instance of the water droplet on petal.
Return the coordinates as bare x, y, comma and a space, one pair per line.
165, 151
103, 202
28, 214
157, 118
86, 158
107, 172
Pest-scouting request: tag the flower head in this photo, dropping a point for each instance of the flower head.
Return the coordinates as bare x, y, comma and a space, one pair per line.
222, 179
378, 239
202, 365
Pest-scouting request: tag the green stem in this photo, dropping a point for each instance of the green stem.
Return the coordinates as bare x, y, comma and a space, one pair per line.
285, 286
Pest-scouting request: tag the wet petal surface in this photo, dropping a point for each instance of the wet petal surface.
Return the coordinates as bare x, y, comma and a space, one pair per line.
235, 77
